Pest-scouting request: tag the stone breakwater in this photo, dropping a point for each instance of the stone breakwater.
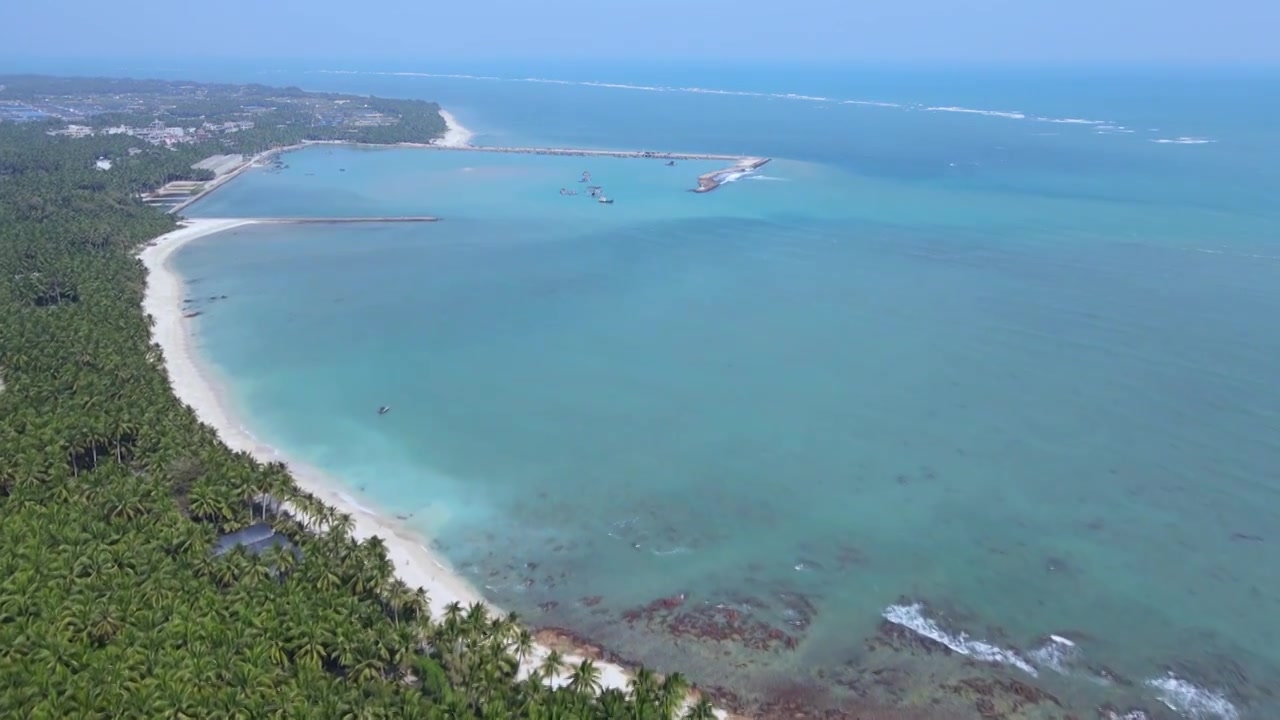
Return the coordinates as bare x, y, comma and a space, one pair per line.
706, 182
583, 152
343, 220
712, 180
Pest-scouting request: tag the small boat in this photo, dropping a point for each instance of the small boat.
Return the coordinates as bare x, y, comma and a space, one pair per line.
384, 409
671, 163
605, 201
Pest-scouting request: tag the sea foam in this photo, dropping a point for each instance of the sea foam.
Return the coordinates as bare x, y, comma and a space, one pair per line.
796, 96
912, 617
1192, 701
1057, 654
799, 97
1184, 140
1072, 121
1011, 114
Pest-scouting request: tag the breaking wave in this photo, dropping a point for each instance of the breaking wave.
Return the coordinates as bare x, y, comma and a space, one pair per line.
1192, 701
1251, 256
1184, 140
1007, 114
912, 617
620, 86
1011, 114
872, 103
1057, 654
1072, 121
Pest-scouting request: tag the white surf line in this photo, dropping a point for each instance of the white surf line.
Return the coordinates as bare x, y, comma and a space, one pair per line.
918, 106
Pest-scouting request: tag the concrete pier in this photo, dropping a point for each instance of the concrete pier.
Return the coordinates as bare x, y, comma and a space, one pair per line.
581, 152
342, 220
712, 180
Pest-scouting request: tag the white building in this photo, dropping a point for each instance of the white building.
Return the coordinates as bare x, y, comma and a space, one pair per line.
74, 131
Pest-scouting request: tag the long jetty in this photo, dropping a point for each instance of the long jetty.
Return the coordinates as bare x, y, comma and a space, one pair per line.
341, 220
583, 152
706, 182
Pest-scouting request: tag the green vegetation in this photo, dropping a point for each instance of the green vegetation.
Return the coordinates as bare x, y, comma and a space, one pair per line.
41, 174
279, 116
112, 494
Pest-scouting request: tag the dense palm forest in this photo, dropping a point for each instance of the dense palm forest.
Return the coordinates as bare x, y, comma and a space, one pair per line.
112, 494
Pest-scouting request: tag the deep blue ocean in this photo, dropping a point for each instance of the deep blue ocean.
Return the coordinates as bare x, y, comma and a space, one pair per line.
977, 379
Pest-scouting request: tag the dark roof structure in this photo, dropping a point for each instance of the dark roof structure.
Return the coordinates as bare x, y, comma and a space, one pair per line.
256, 539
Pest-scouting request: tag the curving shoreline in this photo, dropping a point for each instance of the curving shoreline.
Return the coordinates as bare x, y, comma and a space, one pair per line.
456, 136
193, 383
196, 385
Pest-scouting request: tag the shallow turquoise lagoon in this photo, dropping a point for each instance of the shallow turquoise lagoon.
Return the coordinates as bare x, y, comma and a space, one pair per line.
990, 407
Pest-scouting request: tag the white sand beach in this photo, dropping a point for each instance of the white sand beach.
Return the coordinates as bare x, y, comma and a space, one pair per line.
456, 135
415, 564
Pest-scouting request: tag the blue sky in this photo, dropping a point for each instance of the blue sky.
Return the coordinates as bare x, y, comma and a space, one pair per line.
907, 31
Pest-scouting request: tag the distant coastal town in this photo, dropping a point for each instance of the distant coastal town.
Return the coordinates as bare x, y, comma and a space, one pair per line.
89, 105
157, 133
214, 132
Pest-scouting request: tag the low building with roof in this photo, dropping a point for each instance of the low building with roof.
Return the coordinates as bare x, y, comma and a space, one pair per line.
255, 539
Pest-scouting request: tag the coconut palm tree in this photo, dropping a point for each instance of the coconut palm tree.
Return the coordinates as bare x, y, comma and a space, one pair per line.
702, 709
642, 686
552, 665
672, 694
522, 646
341, 524
585, 678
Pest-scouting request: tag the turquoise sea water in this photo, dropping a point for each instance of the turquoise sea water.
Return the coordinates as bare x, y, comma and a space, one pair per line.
991, 378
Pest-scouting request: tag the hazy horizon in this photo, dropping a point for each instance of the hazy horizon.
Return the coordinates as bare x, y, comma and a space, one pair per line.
910, 31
